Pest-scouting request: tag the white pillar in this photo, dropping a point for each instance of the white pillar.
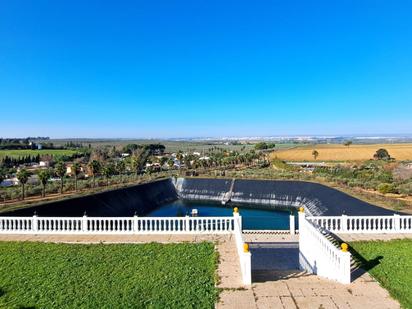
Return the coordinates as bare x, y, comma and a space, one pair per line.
292, 224
344, 223
84, 223
346, 268
187, 224
135, 223
396, 222
238, 219
35, 224
247, 268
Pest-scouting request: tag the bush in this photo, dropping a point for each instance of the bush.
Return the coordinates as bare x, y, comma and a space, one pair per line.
386, 188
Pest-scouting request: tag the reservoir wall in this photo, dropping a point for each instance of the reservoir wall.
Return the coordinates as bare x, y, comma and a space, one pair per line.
316, 198
141, 199
138, 199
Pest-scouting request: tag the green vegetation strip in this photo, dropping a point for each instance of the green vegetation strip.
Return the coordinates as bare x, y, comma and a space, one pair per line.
46, 275
29, 152
389, 262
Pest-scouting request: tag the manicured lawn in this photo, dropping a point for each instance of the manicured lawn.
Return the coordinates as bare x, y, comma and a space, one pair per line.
390, 263
152, 275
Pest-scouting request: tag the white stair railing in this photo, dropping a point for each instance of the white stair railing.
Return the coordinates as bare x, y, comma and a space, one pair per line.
245, 257
364, 224
319, 256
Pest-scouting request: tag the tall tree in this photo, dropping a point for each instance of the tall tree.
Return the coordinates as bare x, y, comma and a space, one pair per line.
95, 168
60, 171
75, 172
108, 171
347, 143
23, 176
315, 154
2, 175
44, 176
382, 154
120, 169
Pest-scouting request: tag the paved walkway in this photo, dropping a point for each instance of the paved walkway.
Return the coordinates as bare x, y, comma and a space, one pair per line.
277, 282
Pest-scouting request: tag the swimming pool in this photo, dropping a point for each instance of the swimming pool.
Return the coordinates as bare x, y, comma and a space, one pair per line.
253, 218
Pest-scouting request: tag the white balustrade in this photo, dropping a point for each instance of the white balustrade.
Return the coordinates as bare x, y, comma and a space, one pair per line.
116, 225
319, 256
364, 224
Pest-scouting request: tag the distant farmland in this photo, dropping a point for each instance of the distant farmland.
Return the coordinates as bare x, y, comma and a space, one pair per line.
29, 152
343, 153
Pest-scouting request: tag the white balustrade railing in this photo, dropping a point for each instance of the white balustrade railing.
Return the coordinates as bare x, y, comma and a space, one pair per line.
117, 225
318, 255
364, 224
245, 257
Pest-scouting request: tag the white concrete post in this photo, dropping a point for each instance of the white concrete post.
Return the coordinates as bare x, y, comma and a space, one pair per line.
397, 222
35, 223
345, 271
301, 217
135, 223
84, 223
247, 267
344, 223
292, 224
237, 218
187, 224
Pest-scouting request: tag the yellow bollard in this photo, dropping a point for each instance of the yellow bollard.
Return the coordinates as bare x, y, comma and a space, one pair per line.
344, 246
301, 209
246, 247
236, 210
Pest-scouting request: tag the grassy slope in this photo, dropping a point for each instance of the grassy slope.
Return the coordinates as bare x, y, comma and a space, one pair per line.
107, 276
394, 270
334, 152
29, 152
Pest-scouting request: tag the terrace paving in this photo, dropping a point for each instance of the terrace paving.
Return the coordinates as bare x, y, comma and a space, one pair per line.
277, 281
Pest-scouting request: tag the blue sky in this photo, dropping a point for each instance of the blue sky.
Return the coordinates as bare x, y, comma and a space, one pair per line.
205, 68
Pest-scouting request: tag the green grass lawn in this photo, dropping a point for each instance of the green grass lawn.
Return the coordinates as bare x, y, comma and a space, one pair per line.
45, 275
28, 152
390, 263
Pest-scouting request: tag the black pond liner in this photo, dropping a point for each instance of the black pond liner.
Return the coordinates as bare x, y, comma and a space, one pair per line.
141, 199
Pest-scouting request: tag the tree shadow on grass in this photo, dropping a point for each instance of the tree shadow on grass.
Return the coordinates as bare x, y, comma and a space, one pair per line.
363, 265
359, 265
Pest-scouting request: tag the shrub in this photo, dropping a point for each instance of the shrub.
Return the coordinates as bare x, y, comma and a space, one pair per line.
386, 188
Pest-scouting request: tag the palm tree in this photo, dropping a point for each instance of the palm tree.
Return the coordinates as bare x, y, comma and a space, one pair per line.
315, 154
60, 171
44, 176
95, 168
23, 176
75, 172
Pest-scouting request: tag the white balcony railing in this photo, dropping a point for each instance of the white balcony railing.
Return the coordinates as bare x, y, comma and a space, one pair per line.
116, 225
364, 224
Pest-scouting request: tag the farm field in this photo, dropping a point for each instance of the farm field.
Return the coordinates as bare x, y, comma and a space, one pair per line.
171, 145
29, 152
329, 152
47, 275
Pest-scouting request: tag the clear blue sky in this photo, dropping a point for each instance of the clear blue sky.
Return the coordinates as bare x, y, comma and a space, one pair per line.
205, 68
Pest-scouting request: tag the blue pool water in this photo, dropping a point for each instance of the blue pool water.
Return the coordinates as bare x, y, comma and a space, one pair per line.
253, 218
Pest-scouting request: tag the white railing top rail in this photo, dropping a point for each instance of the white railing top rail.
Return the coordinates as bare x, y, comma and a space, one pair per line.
115, 218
